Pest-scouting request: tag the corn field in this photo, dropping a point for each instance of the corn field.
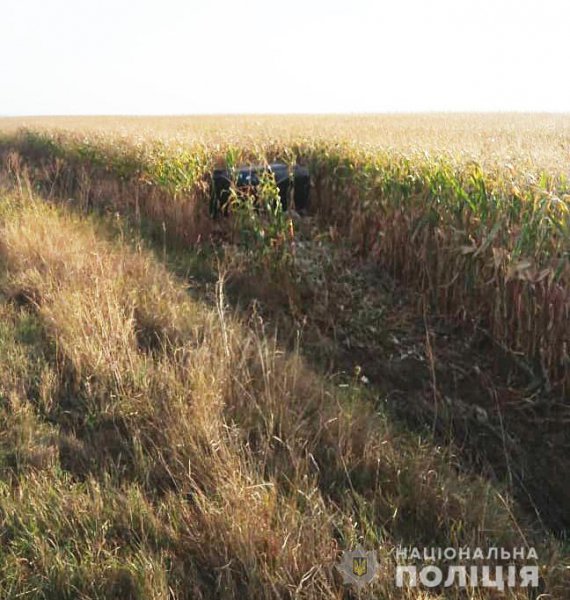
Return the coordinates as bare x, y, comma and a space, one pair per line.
484, 242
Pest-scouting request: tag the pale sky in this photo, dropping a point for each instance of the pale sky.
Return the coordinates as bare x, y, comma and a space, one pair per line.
187, 57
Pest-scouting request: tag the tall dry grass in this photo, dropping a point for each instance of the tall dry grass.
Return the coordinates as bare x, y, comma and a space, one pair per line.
155, 447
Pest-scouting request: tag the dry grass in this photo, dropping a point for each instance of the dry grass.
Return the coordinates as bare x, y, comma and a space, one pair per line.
155, 447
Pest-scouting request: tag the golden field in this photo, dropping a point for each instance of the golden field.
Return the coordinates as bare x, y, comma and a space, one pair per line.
535, 140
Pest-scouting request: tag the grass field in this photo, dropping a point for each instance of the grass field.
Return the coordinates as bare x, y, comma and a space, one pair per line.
216, 408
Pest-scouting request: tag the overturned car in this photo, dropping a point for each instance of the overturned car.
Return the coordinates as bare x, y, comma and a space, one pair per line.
293, 183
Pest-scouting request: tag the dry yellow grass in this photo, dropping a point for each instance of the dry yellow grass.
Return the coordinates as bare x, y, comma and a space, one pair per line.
537, 140
155, 447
